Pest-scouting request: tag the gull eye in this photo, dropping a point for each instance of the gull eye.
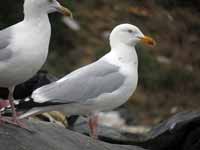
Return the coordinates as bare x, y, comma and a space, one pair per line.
50, 1
130, 31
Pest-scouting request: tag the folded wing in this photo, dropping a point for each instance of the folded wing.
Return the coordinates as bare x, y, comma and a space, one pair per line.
5, 38
84, 84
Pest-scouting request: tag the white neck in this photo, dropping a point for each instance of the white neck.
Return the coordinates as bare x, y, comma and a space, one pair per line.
125, 54
36, 24
33, 12
35, 16
42, 20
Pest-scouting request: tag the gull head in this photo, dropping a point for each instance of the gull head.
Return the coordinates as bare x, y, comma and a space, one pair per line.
129, 35
38, 7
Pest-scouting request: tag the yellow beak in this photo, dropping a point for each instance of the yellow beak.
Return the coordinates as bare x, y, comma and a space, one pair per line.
148, 41
65, 11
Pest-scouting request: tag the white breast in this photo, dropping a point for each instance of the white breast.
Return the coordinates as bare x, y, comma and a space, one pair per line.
29, 44
112, 100
129, 68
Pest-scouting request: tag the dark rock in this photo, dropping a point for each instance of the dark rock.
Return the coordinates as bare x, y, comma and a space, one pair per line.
3, 93
192, 141
123, 111
71, 120
107, 134
177, 133
180, 132
25, 89
51, 137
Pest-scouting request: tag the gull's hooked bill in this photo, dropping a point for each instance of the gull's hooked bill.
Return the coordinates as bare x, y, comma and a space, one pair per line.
148, 40
65, 11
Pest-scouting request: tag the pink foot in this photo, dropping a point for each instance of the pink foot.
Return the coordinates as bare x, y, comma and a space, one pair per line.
93, 123
15, 122
4, 103
19, 123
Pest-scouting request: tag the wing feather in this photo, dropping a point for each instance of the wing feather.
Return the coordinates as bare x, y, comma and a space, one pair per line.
86, 83
5, 38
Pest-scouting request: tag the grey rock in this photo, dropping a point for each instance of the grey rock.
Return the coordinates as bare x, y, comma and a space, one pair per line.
180, 132
48, 136
108, 134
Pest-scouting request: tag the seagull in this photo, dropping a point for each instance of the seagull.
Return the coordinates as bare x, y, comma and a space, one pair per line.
24, 46
97, 87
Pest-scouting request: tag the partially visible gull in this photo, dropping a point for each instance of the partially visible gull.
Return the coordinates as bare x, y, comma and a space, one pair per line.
100, 86
24, 46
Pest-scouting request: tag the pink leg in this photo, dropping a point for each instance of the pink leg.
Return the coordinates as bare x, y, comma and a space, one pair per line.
11, 99
93, 123
14, 120
3, 104
1, 121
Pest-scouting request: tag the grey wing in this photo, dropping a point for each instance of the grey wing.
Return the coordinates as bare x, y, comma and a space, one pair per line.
5, 38
88, 83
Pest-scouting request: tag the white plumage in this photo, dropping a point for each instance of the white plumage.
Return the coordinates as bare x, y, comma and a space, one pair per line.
100, 86
24, 46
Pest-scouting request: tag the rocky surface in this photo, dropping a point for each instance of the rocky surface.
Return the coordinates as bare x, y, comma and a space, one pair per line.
180, 132
51, 137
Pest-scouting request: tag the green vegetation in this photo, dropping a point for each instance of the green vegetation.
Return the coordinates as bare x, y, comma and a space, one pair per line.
154, 76
69, 3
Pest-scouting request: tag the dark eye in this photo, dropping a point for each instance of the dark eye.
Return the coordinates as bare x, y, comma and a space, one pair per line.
130, 31
50, 1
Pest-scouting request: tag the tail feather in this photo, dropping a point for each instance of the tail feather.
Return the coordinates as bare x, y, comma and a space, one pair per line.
30, 107
30, 113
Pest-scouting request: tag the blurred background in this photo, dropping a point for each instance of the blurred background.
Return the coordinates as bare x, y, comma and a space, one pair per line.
169, 79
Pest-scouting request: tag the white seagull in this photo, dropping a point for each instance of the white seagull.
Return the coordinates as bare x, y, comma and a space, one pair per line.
24, 46
100, 86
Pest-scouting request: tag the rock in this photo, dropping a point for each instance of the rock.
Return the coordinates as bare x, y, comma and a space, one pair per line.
51, 137
180, 132
106, 133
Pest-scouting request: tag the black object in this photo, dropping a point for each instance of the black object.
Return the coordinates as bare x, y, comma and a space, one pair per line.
25, 89
71, 120
3, 93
